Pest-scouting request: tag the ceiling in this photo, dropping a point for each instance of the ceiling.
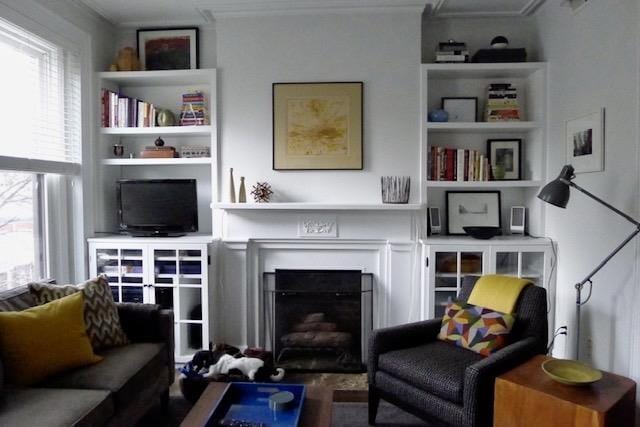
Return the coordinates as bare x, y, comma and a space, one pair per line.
175, 12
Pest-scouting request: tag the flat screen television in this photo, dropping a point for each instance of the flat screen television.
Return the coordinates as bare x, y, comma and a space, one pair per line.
157, 207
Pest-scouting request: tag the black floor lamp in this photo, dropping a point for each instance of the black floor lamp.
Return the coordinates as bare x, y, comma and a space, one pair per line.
557, 193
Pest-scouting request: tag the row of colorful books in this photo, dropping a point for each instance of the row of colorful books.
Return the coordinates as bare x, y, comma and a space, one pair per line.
193, 111
122, 111
451, 164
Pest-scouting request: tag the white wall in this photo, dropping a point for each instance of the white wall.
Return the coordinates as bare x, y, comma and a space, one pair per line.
382, 50
593, 57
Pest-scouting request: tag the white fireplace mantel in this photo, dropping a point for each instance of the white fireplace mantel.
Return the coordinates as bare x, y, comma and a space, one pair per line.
254, 242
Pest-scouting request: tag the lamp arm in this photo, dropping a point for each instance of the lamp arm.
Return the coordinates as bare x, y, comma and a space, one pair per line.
606, 260
598, 199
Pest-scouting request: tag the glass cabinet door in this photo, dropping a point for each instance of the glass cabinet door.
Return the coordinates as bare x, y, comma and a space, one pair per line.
125, 271
519, 263
449, 269
533, 267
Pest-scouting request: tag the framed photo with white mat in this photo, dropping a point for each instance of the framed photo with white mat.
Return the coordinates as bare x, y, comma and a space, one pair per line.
585, 142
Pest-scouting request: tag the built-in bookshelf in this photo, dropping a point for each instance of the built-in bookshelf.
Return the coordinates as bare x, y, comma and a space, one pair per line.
165, 90
472, 80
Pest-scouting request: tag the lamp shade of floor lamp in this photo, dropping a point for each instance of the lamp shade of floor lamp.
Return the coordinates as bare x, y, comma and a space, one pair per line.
557, 193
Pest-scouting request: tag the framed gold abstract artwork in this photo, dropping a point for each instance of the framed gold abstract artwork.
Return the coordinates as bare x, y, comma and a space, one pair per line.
317, 126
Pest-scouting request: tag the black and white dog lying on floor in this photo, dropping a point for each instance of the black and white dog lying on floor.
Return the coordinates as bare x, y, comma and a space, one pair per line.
223, 359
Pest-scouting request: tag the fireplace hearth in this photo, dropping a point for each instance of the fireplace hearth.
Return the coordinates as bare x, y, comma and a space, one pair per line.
318, 320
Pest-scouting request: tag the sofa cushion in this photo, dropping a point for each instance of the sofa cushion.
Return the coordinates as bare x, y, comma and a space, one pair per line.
100, 312
124, 371
16, 299
55, 407
442, 373
45, 340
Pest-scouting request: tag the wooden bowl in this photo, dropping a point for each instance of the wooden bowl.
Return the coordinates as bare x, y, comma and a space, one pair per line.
571, 372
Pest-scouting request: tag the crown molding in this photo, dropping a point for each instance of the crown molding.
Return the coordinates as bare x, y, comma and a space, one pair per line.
528, 9
211, 9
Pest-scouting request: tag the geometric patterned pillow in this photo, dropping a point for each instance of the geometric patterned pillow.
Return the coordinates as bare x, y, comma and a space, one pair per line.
100, 311
476, 328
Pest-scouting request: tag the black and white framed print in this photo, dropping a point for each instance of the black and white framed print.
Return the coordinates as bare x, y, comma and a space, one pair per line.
473, 209
585, 142
505, 158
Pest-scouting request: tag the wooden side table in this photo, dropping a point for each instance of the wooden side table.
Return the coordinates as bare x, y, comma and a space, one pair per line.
526, 396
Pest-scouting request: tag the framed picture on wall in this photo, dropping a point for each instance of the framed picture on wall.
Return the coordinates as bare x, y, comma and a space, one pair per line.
585, 142
317, 126
461, 109
168, 48
505, 158
472, 208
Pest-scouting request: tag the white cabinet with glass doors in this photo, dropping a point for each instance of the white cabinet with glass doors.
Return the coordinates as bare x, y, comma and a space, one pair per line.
174, 275
448, 259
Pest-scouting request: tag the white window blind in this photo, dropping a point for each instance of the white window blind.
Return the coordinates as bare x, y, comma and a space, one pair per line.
40, 117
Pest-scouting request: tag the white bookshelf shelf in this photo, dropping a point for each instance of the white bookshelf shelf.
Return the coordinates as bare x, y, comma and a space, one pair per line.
319, 206
158, 78
159, 130
157, 162
483, 71
482, 127
484, 184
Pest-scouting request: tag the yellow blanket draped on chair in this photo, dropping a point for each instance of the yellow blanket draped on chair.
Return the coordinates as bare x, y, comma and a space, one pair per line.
499, 293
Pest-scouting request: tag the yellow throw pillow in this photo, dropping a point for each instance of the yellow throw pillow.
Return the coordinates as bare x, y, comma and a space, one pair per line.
44, 340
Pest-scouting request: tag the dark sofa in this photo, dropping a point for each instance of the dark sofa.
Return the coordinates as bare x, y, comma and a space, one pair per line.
117, 391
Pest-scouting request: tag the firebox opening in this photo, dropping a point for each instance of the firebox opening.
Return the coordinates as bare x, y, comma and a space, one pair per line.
318, 320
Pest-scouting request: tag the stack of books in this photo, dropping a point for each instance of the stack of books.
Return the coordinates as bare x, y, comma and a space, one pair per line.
502, 103
122, 111
451, 164
193, 112
452, 52
153, 152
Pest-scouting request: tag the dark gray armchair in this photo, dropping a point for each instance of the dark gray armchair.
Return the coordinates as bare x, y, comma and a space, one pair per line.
437, 381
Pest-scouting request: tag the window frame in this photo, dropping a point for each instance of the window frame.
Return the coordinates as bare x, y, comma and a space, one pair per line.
68, 213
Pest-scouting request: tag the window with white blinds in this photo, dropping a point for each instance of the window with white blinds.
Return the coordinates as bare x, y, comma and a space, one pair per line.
40, 117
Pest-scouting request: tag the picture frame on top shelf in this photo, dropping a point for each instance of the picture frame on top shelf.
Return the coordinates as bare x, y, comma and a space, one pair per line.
173, 48
472, 208
505, 159
585, 142
461, 109
318, 126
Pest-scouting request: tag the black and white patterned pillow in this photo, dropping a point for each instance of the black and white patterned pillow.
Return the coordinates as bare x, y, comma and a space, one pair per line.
100, 311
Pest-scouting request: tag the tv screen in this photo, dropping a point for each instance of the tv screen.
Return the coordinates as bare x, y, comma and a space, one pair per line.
157, 206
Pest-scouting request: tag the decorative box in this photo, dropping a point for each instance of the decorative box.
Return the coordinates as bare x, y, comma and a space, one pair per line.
195, 151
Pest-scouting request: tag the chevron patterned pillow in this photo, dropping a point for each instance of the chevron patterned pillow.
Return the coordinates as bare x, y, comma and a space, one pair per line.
100, 311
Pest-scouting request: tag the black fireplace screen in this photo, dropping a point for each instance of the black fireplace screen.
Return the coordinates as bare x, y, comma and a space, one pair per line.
318, 320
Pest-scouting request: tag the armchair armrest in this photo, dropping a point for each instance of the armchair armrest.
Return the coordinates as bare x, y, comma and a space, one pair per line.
480, 377
149, 323
397, 338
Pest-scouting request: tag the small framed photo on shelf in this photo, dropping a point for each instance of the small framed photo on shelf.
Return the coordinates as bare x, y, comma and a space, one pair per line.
585, 142
505, 158
461, 109
472, 208
168, 48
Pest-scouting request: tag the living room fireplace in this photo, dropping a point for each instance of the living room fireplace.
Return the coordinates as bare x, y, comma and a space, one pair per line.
318, 320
